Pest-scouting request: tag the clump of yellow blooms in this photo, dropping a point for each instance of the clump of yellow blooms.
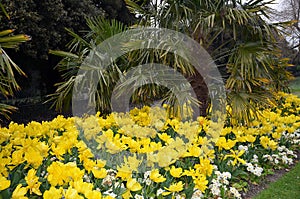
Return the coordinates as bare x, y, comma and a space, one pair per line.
72, 157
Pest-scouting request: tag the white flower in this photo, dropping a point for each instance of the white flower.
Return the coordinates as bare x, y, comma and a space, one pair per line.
110, 193
258, 171
215, 168
147, 174
255, 159
289, 152
215, 190
235, 192
86, 178
197, 194
159, 192
226, 175
241, 147
177, 196
148, 181
217, 173
216, 182
249, 167
224, 181
138, 196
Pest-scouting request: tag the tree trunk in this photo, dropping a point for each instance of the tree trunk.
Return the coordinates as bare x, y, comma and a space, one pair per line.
200, 88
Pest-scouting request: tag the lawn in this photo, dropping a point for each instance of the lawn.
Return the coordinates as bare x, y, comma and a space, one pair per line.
287, 187
295, 86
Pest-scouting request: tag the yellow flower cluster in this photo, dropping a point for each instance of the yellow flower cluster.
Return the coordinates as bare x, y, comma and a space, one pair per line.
59, 158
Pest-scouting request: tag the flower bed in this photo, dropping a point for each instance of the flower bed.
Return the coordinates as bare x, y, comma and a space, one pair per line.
70, 157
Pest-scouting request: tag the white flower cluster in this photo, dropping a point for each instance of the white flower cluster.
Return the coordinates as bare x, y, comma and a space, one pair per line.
221, 182
146, 179
137, 196
255, 169
284, 156
197, 194
253, 166
111, 176
294, 138
244, 148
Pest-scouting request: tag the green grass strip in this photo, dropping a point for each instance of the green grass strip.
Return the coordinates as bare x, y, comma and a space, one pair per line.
295, 87
286, 187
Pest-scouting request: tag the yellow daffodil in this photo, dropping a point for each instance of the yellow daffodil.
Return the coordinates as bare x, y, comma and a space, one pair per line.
133, 185
33, 183
19, 192
155, 176
93, 194
201, 183
53, 193
99, 172
176, 172
4, 183
176, 187
236, 156
71, 193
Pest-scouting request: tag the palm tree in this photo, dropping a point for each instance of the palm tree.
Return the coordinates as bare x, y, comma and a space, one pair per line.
100, 30
8, 83
237, 36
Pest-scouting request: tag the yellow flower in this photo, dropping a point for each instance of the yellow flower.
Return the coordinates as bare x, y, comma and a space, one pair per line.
33, 157
201, 183
204, 167
272, 144
268, 143
82, 187
176, 187
53, 193
124, 172
71, 193
264, 141
250, 138
33, 182
93, 194
126, 195
99, 173
108, 197
194, 151
132, 162
176, 172
155, 176
236, 157
17, 157
4, 183
59, 173
165, 137
19, 192
225, 144
133, 185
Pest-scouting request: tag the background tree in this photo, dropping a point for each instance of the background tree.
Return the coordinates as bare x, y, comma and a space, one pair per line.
289, 10
8, 83
46, 21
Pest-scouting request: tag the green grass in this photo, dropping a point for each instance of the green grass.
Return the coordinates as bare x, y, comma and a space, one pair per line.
295, 87
287, 187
